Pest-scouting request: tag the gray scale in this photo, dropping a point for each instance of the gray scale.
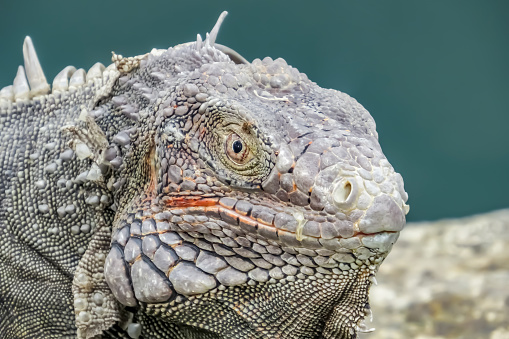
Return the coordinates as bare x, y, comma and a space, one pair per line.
149, 285
187, 279
170, 238
165, 258
116, 277
132, 249
186, 252
150, 243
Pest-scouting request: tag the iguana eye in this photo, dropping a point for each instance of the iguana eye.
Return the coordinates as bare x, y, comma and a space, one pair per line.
237, 150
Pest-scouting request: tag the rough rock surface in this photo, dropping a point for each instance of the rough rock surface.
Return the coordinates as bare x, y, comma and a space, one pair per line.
446, 279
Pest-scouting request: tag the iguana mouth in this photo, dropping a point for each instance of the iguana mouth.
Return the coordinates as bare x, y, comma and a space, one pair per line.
224, 209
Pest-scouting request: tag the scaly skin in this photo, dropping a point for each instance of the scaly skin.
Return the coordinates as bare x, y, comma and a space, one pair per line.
187, 193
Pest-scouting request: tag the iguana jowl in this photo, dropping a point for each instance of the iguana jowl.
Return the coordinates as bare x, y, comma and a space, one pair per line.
187, 193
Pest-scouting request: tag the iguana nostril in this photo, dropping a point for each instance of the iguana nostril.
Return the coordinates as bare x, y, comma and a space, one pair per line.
344, 193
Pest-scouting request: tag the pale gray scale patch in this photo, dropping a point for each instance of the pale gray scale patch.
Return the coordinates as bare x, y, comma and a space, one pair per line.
305, 260
150, 244
259, 274
306, 251
245, 252
247, 226
242, 241
210, 263
188, 185
350, 243
311, 228
204, 245
310, 242
149, 285
274, 249
243, 207
148, 226
328, 230
364, 162
122, 138
165, 258
286, 222
290, 258
229, 80
345, 228
262, 263
228, 202
331, 244
343, 257
307, 270
231, 277
187, 279
289, 270
263, 213
259, 248
271, 184
66, 155
132, 250
328, 159
239, 263
383, 215
70, 209
115, 273
229, 242
320, 145
162, 226
371, 187
165, 215
110, 154
186, 252
136, 227
190, 90
366, 175
41, 184
222, 250
324, 262
341, 153
134, 330
305, 171
181, 110
61, 211
175, 174
201, 97
85, 228
273, 259
189, 218
298, 145
276, 273
51, 168
382, 241
298, 198
289, 239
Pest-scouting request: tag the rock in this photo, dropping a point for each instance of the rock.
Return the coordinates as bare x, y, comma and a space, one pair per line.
445, 279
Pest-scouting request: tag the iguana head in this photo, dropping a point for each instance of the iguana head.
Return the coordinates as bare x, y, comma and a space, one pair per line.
249, 200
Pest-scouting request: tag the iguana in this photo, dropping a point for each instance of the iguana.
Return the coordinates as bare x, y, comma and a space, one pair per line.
188, 193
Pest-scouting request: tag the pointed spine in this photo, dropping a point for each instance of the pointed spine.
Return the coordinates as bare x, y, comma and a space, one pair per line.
36, 78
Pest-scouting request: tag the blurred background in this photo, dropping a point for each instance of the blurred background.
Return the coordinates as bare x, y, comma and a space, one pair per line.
434, 74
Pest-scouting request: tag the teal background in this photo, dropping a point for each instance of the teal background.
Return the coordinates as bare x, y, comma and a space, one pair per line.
434, 74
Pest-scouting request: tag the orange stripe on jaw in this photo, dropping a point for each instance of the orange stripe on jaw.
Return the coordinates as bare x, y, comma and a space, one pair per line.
190, 201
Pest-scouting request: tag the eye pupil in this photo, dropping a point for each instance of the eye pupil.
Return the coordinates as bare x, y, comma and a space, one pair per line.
237, 146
